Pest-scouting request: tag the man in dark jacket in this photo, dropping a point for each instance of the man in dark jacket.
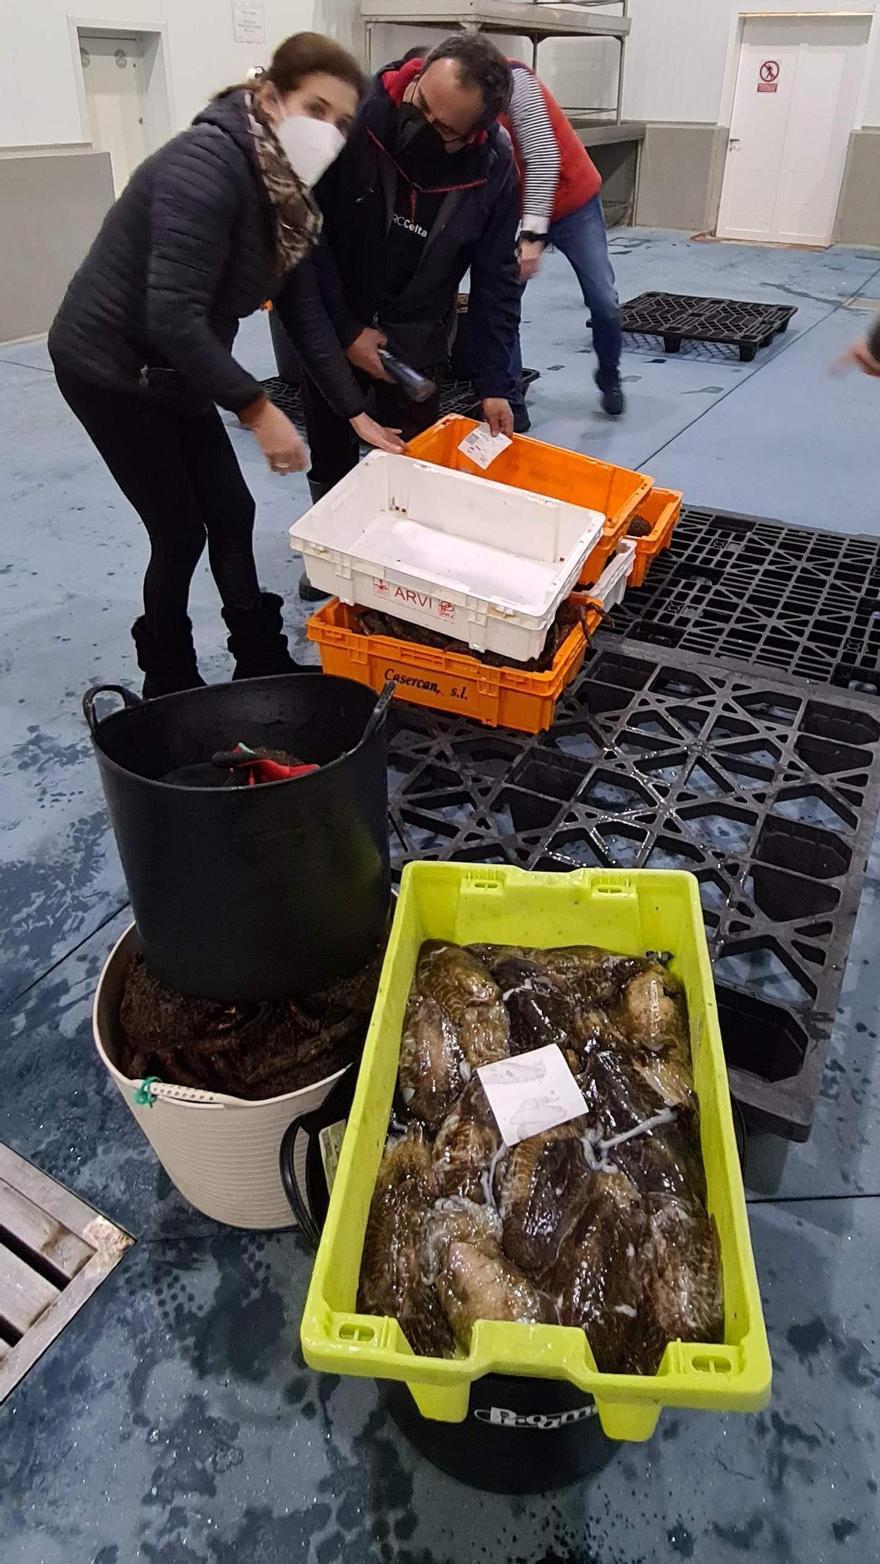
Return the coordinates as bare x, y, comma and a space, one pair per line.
425, 189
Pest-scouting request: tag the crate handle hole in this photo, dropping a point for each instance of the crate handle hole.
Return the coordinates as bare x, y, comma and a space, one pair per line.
704, 1364
485, 882
352, 1332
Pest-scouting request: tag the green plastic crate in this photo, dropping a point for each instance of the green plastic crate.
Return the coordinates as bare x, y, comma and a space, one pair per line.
626, 911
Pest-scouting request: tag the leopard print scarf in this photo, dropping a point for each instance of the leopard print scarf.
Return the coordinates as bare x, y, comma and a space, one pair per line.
297, 218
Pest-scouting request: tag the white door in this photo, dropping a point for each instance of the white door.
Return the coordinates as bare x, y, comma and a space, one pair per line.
112, 71
797, 95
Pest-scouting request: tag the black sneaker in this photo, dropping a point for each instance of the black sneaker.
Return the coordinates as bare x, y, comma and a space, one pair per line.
521, 420
310, 594
611, 392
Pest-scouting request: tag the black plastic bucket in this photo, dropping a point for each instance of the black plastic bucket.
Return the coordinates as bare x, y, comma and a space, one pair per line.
519, 1435
251, 892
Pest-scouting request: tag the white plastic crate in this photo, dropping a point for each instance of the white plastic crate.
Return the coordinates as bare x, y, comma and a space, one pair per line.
627, 547
483, 562
611, 586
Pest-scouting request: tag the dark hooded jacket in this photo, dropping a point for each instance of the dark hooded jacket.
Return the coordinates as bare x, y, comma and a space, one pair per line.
185, 253
469, 203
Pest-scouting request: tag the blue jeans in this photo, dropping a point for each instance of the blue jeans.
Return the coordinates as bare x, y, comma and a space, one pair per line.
582, 239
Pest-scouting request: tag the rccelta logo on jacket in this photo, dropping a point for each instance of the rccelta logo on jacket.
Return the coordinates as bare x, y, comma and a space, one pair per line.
414, 228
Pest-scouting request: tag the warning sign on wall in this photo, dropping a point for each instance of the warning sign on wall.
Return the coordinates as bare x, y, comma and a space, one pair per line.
768, 76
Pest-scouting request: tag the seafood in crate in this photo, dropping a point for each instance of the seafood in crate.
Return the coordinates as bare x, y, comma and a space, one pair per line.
599, 1222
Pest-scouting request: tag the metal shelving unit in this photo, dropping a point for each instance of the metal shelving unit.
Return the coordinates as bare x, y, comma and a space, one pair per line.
524, 18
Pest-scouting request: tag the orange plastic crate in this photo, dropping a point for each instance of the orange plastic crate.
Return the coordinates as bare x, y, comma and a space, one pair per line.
662, 508
449, 681
549, 470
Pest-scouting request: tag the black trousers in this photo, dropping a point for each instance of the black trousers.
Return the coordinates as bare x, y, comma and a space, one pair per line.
180, 473
333, 444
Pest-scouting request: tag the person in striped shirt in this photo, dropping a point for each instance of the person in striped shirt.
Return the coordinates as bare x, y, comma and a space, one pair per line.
562, 207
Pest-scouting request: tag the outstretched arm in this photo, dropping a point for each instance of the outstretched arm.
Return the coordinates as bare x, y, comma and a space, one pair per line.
304, 316
538, 149
495, 303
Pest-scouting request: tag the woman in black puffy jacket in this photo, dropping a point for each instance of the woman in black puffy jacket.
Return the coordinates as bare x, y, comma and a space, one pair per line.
214, 224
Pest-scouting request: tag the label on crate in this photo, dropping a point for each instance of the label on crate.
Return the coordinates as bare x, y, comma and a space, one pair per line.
481, 447
406, 597
330, 1142
531, 1093
504, 1417
445, 688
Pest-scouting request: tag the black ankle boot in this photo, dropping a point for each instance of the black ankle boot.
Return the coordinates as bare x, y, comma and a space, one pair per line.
168, 661
308, 593
256, 639
611, 391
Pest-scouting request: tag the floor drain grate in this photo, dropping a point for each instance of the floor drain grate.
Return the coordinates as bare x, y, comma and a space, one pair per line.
54, 1252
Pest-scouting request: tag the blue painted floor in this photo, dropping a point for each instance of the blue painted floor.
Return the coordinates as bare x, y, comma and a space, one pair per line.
173, 1422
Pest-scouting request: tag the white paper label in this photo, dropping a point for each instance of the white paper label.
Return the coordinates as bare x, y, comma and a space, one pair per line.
531, 1092
481, 447
330, 1142
248, 21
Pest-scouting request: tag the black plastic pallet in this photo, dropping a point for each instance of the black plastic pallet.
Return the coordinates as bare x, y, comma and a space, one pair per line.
456, 396
766, 595
288, 398
764, 788
459, 396
675, 316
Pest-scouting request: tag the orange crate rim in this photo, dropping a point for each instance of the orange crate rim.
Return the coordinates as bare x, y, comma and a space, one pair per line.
549, 470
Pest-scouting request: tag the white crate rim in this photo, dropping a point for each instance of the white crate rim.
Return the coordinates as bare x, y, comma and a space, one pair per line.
487, 621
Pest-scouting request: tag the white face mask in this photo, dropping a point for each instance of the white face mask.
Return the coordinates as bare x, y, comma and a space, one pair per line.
310, 145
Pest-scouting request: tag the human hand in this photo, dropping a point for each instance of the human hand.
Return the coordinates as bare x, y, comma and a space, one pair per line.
281, 444
857, 354
530, 252
363, 353
498, 415
376, 435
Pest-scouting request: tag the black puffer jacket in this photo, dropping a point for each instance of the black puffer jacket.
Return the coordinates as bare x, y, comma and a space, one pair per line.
183, 255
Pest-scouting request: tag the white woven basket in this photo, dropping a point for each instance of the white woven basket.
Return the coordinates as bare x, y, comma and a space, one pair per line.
222, 1153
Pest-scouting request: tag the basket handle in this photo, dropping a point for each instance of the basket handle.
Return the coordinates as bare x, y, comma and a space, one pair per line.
309, 1196
377, 715
129, 700
296, 1195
